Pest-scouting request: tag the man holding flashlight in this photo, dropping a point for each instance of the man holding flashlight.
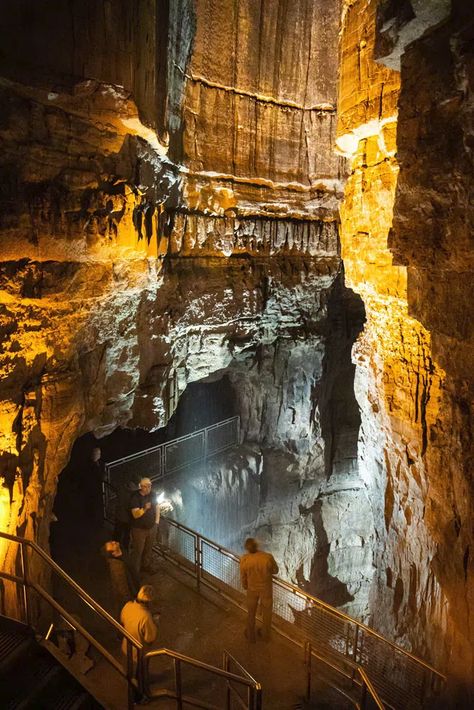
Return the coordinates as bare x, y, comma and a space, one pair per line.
145, 511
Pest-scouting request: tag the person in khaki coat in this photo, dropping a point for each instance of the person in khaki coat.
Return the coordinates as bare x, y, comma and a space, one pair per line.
256, 571
138, 620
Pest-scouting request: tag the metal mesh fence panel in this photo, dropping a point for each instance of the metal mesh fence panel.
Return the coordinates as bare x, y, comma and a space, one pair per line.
181, 453
396, 678
178, 541
222, 436
174, 455
313, 622
221, 567
110, 505
146, 463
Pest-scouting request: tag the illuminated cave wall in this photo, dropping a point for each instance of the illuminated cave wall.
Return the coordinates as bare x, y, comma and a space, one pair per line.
406, 239
169, 211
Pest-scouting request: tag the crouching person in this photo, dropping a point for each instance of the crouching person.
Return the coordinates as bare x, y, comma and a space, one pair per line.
137, 618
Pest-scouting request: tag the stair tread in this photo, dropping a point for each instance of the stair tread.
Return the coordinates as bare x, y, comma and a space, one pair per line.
9, 642
31, 678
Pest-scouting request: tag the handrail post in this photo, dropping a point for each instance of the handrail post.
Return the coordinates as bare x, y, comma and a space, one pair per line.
142, 673
225, 666
258, 698
177, 680
104, 500
162, 455
307, 660
363, 699
198, 559
356, 643
130, 675
205, 444
26, 582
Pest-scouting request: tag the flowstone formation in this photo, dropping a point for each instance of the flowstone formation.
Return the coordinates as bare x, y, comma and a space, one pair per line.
404, 237
169, 212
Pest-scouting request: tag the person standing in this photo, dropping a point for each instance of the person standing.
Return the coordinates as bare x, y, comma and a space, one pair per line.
124, 582
137, 618
122, 514
145, 513
256, 572
92, 497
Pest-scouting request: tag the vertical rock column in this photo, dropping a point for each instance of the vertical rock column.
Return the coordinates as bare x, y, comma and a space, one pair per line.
410, 425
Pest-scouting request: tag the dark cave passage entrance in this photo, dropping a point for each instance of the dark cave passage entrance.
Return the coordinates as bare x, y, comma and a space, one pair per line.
78, 503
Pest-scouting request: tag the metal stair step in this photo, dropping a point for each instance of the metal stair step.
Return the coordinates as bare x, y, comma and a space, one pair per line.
30, 670
12, 647
33, 699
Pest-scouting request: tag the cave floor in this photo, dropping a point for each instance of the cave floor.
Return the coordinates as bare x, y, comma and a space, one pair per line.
197, 624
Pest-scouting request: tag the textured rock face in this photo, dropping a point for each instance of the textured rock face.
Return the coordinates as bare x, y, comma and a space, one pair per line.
130, 269
405, 222
169, 212
259, 112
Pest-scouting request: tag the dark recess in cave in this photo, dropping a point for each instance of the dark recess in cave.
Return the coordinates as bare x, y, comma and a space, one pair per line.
202, 404
340, 416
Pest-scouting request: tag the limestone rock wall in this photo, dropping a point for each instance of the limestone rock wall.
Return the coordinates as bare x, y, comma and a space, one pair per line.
131, 267
405, 221
258, 109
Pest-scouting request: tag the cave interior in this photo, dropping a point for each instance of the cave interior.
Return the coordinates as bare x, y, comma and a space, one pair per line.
263, 210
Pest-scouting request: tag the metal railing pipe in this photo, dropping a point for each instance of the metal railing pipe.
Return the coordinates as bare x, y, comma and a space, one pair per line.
24, 572
367, 687
318, 602
196, 663
178, 683
78, 626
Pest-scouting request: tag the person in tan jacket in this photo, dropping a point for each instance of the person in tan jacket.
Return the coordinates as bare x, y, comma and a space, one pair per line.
138, 620
256, 571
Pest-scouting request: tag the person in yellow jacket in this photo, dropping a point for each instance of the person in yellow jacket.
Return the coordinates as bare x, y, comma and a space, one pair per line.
256, 572
137, 618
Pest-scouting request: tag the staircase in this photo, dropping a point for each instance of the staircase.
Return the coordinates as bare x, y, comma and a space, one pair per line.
31, 677
363, 668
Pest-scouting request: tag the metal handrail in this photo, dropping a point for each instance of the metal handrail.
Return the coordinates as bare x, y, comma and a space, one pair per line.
254, 699
364, 684
27, 583
306, 595
178, 440
254, 688
294, 634
141, 681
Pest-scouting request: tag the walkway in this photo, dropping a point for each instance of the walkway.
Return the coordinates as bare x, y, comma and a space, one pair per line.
200, 625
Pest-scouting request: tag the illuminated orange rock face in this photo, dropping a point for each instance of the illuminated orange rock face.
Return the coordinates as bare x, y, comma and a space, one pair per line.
404, 225
130, 267
233, 179
74, 230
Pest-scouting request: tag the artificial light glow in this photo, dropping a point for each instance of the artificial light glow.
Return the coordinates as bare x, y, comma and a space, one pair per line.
165, 504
